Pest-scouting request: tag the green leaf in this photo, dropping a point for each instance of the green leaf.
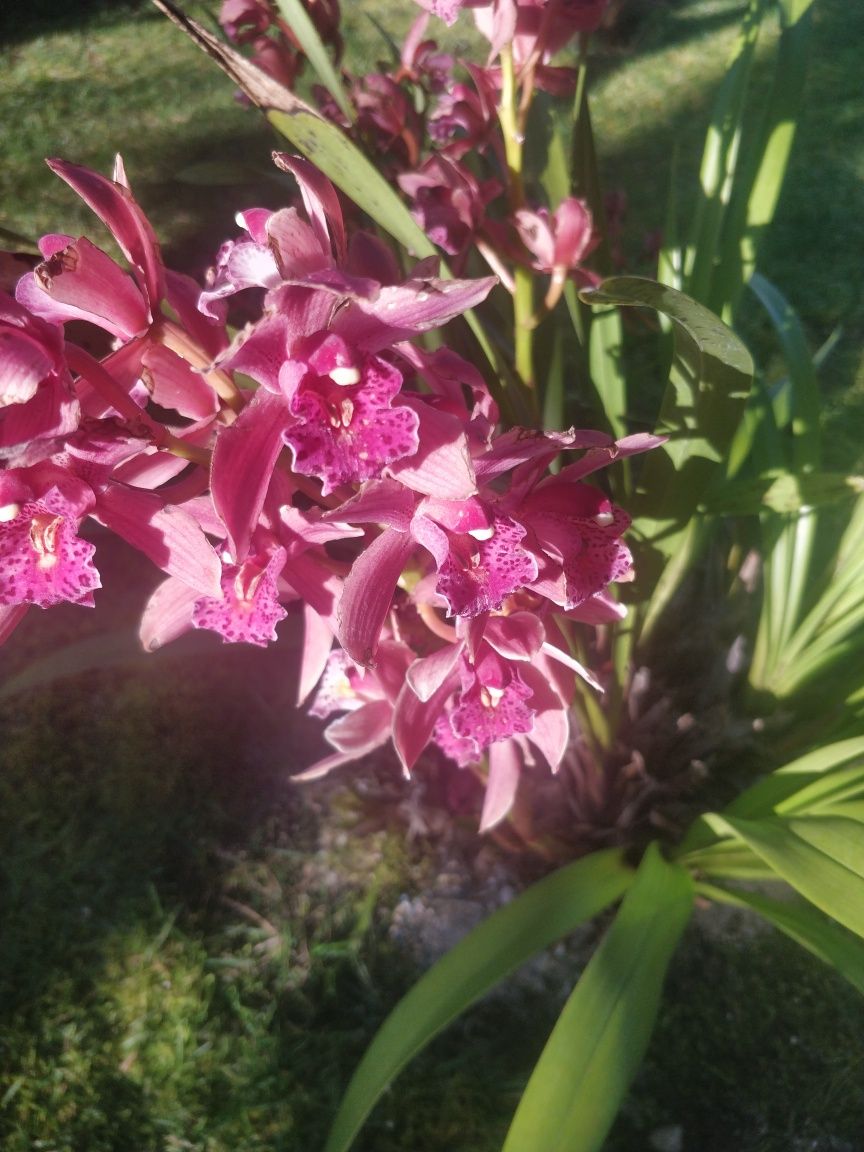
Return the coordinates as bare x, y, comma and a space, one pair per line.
605, 351
512, 935
720, 159
822, 857
760, 175
815, 775
320, 140
804, 924
701, 409
307, 35
325, 145
710, 380
729, 859
601, 1036
787, 493
795, 785
800, 399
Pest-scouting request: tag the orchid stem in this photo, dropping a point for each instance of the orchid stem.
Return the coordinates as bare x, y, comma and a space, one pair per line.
179, 341
512, 116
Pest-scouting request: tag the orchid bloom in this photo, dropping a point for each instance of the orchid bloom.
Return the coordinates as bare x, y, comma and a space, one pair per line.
43, 561
37, 400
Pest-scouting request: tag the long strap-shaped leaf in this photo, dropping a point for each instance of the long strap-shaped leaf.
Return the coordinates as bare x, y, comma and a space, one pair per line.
759, 179
822, 857
320, 141
810, 779
600, 1039
329, 149
543, 914
720, 158
813, 780
303, 28
707, 391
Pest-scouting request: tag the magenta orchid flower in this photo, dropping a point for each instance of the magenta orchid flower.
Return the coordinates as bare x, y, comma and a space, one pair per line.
37, 400
43, 561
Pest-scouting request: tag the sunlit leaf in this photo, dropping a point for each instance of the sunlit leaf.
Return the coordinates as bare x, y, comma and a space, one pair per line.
543, 914
822, 857
720, 159
601, 1036
319, 140
816, 775
307, 35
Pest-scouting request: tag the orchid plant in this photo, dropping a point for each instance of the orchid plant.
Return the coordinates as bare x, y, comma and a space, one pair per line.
388, 451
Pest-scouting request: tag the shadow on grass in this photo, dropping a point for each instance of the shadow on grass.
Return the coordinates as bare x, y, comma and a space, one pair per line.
124, 776
20, 21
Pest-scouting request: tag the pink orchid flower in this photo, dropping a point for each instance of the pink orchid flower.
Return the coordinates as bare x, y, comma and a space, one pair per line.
37, 400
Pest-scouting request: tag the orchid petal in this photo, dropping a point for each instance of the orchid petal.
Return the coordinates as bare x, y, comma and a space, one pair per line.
428, 673
361, 731
368, 594
167, 614
165, 534
501, 785
414, 720
317, 643
441, 466
115, 206
550, 733
243, 461
518, 636
320, 200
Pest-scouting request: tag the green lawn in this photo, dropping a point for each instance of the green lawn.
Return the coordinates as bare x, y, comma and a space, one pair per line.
181, 970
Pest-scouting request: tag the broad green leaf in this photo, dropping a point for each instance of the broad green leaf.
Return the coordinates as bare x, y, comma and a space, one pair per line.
320, 140
704, 401
707, 391
301, 25
804, 924
830, 632
794, 10
689, 543
512, 935
598, 1043
605, 352
822, 857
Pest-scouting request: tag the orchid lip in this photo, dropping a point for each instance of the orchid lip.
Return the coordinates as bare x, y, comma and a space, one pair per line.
345, 376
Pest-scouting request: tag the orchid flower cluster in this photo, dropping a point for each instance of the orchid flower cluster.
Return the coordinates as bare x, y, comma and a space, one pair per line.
451, 133
325, 459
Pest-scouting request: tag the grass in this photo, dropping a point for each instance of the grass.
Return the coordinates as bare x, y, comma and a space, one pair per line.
179, 970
